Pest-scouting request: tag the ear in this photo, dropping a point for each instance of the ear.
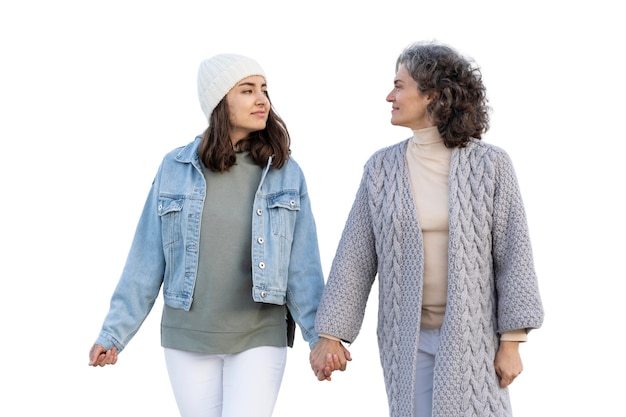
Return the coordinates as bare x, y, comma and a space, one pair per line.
432, 96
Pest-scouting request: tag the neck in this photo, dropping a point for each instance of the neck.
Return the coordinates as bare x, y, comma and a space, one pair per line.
427, 135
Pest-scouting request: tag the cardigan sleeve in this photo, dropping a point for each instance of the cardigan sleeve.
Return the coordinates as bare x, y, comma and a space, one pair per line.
342, 308
519, 301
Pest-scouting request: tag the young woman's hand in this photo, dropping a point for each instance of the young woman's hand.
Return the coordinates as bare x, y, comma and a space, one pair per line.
99, 356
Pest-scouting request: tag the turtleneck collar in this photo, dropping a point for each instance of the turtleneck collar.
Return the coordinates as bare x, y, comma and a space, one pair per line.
427, 136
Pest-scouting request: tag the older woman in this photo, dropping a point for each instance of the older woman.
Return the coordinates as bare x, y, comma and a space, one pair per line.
439, 219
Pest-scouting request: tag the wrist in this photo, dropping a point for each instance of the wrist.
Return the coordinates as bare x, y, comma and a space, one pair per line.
510, 345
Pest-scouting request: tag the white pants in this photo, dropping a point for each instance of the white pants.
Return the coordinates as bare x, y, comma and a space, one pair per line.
239, 385
426, 351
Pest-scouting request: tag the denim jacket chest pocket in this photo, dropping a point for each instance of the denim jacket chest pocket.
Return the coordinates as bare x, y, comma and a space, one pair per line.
283, 209
170, 213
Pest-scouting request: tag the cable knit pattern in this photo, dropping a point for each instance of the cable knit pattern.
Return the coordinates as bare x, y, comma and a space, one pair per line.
492, 286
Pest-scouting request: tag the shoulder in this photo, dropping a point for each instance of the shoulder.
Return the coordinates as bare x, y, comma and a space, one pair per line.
483, 151
291, 170
291, 165
177, 161
183, 154
391, 152
486, 161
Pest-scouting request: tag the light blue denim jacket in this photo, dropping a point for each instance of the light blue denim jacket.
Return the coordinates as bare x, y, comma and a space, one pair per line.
286, 265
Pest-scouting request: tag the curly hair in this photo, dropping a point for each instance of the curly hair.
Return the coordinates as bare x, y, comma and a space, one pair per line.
459, 108
216, 150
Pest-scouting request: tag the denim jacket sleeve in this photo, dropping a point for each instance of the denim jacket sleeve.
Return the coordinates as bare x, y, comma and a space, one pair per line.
140, 282
306, 281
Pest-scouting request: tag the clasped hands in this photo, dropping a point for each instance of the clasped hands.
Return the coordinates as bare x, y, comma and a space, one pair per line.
327, 356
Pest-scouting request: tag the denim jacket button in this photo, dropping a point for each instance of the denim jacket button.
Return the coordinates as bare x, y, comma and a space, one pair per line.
261, 240
262, 265
259, 212
292, 203
263, 294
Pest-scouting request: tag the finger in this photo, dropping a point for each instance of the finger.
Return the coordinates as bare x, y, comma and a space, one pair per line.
112, 358
99, 360
511, 379
104, 358
338, 364
94, 354
114, 353
346, 353
505, 382
321, 375
330, 362
107, 357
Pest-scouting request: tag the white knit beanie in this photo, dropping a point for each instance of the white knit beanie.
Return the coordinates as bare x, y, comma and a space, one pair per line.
219, 74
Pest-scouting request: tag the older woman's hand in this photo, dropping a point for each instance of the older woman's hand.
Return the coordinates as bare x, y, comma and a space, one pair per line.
327, 356
508, 363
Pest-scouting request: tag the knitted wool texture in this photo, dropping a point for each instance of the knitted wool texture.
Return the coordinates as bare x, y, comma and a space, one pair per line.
492, 286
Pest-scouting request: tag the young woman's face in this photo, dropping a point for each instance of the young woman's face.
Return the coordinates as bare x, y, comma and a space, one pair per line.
249, 107
408, 104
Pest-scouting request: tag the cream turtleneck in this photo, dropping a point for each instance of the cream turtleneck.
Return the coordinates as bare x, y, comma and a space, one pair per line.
429, 164
428, 160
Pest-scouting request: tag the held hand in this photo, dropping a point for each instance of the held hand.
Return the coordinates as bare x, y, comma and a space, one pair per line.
99, 356
337, 361
508, 363
327, 356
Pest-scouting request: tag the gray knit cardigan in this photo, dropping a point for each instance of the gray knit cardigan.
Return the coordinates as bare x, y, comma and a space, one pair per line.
492, 286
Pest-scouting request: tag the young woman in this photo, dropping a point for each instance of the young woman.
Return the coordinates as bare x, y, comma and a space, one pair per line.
227, 231
439, 219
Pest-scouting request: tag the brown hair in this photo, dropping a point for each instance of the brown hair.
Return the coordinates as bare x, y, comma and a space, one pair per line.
459, 107
216, 150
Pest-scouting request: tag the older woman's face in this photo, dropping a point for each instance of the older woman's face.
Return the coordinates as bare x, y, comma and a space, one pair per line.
408, 104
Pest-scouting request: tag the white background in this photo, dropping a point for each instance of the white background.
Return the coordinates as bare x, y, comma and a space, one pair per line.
93, 94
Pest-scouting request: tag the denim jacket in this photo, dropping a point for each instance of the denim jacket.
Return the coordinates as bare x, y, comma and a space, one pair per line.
286, 267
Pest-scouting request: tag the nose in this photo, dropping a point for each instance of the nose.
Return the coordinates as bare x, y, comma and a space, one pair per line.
390, 97
262, 99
